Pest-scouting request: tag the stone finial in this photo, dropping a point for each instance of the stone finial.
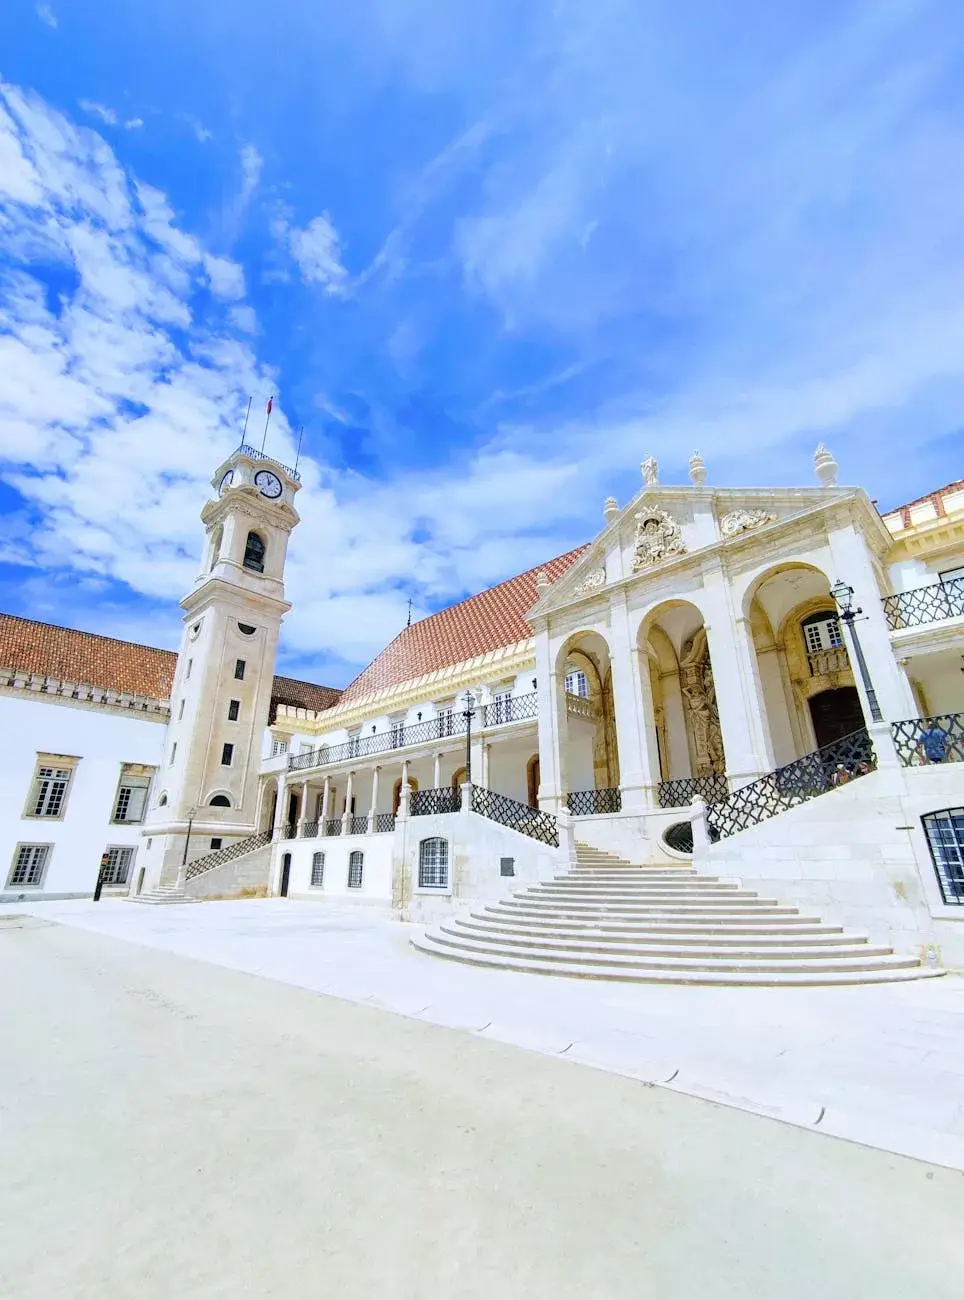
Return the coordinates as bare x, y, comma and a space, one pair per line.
697, 469
825, 467
542, 582
650, 469
610, 509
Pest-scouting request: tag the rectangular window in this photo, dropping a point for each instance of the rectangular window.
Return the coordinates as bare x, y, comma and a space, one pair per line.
173, 754
227, 755
354, 745
945, 836
356, 863
398, 733
48, 794
216, 841
823, 634
433, 864
279, 745
131, 801
117, 868
234, 709
187, 671
577, 683
239, 670
317, 870
445, 723
501, 707
180, 712
29, 866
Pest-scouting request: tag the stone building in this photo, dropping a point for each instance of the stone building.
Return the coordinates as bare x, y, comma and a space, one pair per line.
704, 680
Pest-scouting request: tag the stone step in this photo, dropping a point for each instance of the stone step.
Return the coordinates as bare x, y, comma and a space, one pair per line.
655, 906
594, 948
642, 888
822, 936
161, 894
798, 976
784, 915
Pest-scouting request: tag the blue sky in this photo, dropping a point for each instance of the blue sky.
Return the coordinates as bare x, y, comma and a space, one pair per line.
490, 256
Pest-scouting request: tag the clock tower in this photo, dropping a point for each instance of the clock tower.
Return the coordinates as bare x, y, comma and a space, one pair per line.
207, 783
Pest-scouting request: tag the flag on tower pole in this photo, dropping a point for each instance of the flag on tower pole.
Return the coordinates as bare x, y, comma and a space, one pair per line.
267, 410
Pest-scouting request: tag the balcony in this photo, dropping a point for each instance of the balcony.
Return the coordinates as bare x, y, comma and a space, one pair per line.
933, 604
446, 726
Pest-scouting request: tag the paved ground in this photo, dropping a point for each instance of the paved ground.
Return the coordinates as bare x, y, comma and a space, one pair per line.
172, 1128
878, 1064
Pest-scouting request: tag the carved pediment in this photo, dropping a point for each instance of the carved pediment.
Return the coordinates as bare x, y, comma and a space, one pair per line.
594, 579
658, 536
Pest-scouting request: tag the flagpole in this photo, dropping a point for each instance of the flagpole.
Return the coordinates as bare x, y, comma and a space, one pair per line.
301, 434
267, 421
245, 429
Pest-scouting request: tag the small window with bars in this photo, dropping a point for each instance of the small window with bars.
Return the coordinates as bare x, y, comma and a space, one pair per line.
433, 863
234, 709
446, 725
354, 745
945, 837
398, 732
356, 866
501, 710
577, 683
131, 801
317, 870
822, 632
227, 755
29, 866
48, 794
117, 867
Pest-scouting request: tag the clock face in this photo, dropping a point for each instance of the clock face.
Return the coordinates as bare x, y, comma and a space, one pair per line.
226, 482
268, 484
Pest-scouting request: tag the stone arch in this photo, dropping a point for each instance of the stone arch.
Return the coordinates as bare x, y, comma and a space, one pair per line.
219, 799
255, 550
587, 727
532, 781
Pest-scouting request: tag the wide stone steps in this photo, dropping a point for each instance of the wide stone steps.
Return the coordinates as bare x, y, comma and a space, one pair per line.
162, 894
609, 919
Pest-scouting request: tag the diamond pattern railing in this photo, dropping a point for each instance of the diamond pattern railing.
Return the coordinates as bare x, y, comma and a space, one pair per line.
681, 792
332, 826
288, 830
431, 803
384, 822
309, 831
845, 760
517, 816
518, 709
589, 803
357, 825
941, 735
228, 854
939, 601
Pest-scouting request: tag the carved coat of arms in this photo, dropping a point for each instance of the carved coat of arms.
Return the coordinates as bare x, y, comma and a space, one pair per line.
742, 521
658, 536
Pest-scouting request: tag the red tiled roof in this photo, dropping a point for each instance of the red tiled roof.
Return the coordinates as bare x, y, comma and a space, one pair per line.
488, 621
935, 498
86, 658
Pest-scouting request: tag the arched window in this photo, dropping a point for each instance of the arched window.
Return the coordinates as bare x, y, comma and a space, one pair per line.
433, 863
220, 801
216, 541
254, 549
356, 864
317, 870
162, 802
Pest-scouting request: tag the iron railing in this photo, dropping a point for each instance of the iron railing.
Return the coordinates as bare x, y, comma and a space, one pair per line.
931, 604
588, 803
514, 708
246, 450
309, 831
942, 735
681, 792
289, 830
844, 760
517, 816
230, 851
332, 826
384, 822
679, 836
430, 803
945, 836
357, 825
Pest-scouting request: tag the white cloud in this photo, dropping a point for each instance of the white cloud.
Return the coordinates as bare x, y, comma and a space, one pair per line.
243, 318
317, 250
227, 277
133, 124
93, 109
47, 15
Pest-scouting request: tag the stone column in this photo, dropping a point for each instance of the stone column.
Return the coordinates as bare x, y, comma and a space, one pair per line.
739, 692
486, 749
280, 812
325, 799
635, 714
302, 811
854, 566
551, 693
374, 807
436, 772
346, 815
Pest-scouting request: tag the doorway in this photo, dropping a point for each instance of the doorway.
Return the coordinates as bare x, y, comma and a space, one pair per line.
285, 874
835, 713
532, 781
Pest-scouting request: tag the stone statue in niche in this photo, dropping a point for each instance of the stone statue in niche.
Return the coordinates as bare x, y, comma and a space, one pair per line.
650, 468
742, 521
658, 536
699, 692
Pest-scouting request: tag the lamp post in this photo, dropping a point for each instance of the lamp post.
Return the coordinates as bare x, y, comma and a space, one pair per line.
844, 597
191, 814
468, 699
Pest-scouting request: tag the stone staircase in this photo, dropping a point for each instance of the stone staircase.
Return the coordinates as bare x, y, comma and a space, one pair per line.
608, 919
163, 894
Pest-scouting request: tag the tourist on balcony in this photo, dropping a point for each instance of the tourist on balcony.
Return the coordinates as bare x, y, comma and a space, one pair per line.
933, 744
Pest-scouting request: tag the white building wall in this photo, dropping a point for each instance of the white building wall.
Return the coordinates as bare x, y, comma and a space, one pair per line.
102, 742
376, 888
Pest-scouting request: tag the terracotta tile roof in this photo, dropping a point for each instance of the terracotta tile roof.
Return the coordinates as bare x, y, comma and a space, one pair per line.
84, 657
488, 621
936, 499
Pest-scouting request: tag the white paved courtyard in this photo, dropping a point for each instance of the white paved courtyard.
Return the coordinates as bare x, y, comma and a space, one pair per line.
882, 1064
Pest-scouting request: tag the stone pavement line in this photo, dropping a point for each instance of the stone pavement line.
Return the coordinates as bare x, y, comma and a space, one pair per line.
774, 1057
